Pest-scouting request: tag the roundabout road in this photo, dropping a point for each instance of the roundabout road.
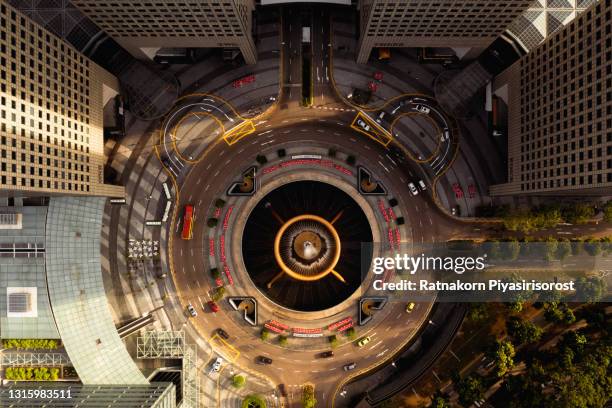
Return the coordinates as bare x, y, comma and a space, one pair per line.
209, 178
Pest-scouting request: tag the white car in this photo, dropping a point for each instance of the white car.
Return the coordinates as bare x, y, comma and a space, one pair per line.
380, 117
192, 310
216, 365
445, 135
423, 109
422, 185
413, 189
363, 125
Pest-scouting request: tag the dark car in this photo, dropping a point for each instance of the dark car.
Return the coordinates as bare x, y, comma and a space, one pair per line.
326, 354
263, 360
282, 390
222, 333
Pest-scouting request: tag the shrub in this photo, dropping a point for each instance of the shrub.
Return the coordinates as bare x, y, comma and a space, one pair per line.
393, 202
265, 334
261, 159
351, 160
253, 401
219, 203
607, 211
218, 294
333, 340
332, 152
400, 221
308, 397
212, 222
238, 381
351, 333
31, 373
27, 344
215, 273
283, 341
281, 152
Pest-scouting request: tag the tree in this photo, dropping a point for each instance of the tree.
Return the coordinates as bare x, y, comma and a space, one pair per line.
283, 341
332, 152
550, 249
308, 397
470, 389
212, 222
579, 213
564, 248
254, 401
215, 273
439, 401
477, 312
238, 381
350, 160
607, 211
219, 203
523, 331
503, 354
592, 246
261, 159
558, 312
590, 289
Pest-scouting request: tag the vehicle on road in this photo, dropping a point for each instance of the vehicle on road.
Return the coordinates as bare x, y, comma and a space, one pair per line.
326, 354
191, 310
423, 109
413, 189
363, 125
445, 135
263, 360
187, 232
243, 81
213, 306
349, 366
422, 185
223, 334
216, 365
458, 191
497, 133
454, 210
380, 117
362, 342
378, 76
410, 307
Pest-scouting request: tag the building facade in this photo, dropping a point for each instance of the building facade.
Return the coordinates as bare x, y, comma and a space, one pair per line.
427, 23
559, 99
142, 28
51, 113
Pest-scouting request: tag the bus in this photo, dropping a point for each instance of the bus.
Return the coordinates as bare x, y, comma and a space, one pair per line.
187, 222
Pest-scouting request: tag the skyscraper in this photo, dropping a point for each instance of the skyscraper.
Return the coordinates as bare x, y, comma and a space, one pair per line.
559, 99
51, 113
140, 27
427, 23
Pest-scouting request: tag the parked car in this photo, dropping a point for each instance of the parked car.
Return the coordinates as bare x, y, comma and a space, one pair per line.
422, 185
413, 189
410, 307
213, 306
263, 360
222, 333
216, 365
363, 125
192, 310
326, 354
349, 366
362, 342
423, 109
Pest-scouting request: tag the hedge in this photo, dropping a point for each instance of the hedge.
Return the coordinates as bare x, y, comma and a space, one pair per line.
31, 373
46, 344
